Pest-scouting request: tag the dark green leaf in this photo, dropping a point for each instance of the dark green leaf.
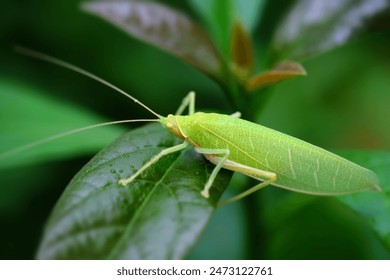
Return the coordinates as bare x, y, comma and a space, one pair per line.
28, 115
158, 216
316, 228
312, 27
162, 27
375, 206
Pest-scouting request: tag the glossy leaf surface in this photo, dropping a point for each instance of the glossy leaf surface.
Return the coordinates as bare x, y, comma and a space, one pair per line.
158, 216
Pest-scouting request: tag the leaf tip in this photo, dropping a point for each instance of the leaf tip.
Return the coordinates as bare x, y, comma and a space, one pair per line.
281, 72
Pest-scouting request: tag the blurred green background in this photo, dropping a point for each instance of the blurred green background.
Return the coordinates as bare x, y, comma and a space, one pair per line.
343, 103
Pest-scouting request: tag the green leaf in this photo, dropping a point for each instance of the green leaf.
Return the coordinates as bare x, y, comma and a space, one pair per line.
162, 27
374, 206
313, 27
219, 16
158, 216
28, 115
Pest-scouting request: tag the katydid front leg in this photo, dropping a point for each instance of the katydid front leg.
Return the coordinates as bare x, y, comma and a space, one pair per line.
154, 159
188, 101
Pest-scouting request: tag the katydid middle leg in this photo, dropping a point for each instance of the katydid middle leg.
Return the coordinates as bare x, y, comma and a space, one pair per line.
208, 152
189, 101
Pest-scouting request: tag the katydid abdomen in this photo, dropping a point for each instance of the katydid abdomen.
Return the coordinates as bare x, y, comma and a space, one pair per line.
299, 166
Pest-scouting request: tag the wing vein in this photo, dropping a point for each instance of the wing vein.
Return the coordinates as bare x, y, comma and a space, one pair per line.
235, 146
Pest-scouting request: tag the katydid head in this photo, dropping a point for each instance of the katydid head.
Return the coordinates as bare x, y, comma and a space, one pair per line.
180, 125
170, 122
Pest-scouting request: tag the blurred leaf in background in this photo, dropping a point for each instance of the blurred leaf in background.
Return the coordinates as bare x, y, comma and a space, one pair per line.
219, 16
30, 116
312, 27
162, 27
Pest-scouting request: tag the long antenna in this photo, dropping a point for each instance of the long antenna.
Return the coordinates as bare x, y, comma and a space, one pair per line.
59, 62
67, 133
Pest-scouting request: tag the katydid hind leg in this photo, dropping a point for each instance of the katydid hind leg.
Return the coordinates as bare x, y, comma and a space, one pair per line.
152, 161
248, 192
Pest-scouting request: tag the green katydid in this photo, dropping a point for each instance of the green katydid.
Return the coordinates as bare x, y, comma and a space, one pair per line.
262, 153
